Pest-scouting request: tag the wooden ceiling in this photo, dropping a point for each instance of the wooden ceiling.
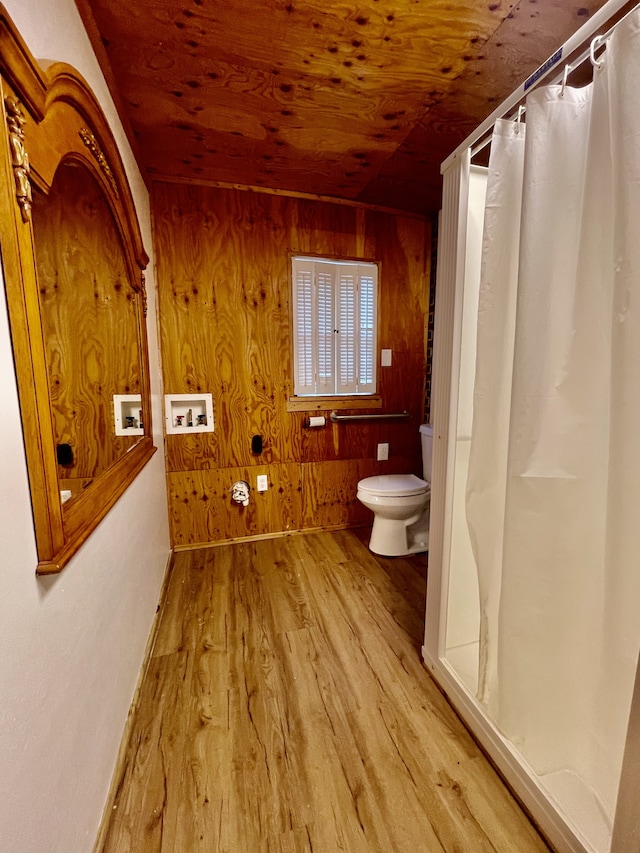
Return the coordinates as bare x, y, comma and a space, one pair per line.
355, 100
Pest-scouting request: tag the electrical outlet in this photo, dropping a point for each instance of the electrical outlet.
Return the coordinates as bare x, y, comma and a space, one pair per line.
262, 483
383, 452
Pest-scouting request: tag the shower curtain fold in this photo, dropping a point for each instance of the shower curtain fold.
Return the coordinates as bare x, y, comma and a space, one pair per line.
554, 477
492, 388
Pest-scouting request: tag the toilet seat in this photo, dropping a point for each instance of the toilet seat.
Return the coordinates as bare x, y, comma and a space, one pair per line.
394, 485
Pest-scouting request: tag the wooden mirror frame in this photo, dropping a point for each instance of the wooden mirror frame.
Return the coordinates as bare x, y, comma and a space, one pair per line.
50, 116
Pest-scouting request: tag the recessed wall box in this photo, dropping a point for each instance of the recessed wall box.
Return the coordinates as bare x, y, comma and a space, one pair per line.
127, 414
188, 413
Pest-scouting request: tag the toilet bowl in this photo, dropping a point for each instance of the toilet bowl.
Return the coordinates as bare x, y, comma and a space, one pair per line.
400, 504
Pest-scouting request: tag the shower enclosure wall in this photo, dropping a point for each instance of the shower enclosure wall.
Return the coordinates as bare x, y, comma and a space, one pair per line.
588, 801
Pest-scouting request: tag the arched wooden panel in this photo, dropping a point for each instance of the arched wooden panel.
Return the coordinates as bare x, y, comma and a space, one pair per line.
51, 116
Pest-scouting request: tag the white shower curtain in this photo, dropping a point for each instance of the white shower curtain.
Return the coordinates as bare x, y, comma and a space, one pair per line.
553, 494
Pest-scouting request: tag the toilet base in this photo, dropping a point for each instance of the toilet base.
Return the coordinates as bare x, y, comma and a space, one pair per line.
392, 537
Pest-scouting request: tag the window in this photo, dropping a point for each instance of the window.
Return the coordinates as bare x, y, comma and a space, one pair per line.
334, 327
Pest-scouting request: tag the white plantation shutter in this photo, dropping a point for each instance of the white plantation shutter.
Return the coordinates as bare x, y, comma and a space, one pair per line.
368, 330
325, 325
304, 333
347, 379
335, 332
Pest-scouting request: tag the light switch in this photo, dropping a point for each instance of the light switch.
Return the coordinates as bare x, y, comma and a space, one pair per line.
262, 483
385, 358
383, 452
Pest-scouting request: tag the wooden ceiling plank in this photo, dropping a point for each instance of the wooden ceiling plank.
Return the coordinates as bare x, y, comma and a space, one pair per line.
355, 101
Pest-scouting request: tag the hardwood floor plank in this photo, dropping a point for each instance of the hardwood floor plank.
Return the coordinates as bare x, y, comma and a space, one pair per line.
180, 622
402, 592
296, 841
379, 815
286, 710
148, 796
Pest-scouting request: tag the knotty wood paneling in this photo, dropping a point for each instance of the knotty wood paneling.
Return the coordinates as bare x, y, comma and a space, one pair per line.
225, 327
329, 489
358, 101
201, 508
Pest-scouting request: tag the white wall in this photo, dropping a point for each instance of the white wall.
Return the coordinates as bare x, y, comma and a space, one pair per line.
71, 645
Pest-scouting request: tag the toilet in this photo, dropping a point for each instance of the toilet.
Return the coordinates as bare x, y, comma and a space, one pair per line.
400, 503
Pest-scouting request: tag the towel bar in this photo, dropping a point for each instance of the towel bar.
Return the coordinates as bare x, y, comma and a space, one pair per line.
335, 418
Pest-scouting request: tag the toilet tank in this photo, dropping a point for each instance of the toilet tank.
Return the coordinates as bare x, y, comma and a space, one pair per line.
426, 436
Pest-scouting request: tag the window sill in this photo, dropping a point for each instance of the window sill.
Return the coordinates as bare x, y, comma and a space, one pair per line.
327, 404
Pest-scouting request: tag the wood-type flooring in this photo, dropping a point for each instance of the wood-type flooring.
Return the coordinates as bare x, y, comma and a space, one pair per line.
286, 709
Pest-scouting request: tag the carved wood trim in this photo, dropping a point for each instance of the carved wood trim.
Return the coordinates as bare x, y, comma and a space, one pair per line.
143, 293
92, 144
19, 156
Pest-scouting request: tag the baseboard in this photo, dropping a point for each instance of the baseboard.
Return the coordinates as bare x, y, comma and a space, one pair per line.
124, 742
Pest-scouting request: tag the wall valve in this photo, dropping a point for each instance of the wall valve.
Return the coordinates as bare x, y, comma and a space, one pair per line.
240, 492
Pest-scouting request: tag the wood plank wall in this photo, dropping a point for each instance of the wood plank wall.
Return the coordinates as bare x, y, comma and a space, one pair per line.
225, 326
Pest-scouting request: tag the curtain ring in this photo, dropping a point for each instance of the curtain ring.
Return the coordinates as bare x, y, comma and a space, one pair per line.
595, 44
521, 111
565, 74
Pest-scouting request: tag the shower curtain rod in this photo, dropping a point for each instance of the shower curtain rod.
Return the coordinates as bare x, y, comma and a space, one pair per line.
580, 37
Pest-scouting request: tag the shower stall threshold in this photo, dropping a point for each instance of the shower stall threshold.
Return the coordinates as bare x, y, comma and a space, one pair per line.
565, 810
572, 796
